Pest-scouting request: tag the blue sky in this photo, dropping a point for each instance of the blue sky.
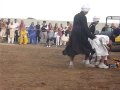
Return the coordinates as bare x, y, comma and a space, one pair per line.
58, 9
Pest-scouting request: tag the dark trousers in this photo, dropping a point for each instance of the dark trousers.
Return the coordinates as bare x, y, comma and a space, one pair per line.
7, 33
16, 36
38, 36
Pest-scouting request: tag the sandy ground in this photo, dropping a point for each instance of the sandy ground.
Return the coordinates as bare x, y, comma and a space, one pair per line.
30, 67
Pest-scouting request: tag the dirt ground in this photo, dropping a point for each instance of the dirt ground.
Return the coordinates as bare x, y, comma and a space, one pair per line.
34, 67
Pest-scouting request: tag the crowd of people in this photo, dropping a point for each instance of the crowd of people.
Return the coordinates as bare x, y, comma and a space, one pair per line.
78, 38
15, 32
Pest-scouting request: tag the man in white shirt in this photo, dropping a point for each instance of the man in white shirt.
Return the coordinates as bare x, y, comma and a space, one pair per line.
16, 30
12, 32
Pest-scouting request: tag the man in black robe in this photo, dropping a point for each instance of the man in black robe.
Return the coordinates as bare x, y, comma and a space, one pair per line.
78, 42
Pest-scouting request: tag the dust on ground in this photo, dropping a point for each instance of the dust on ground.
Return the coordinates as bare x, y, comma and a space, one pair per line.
35, 67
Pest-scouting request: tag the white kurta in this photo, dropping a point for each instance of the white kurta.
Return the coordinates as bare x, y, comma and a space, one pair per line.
99, 45
12, 30
12, 33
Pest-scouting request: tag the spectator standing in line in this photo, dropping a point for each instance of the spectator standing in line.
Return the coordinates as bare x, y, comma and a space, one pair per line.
44, 29
38, 37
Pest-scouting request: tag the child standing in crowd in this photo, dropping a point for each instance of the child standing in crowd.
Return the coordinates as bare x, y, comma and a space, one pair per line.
56, 35
50, 33
12, 32
50, 37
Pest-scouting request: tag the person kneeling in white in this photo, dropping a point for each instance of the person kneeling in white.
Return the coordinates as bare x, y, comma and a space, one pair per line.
100, 45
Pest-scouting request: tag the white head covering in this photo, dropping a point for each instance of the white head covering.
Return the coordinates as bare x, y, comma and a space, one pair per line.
85, 8
95, 19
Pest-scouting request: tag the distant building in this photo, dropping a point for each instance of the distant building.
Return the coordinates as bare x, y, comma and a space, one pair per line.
30, 18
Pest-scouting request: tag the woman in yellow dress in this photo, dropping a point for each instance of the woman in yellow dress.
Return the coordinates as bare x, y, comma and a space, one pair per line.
23, 39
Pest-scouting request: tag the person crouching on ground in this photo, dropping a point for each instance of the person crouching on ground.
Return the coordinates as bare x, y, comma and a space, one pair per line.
100, 44
78, 42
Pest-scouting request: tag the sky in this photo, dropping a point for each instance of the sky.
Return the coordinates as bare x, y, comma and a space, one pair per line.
61, 10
